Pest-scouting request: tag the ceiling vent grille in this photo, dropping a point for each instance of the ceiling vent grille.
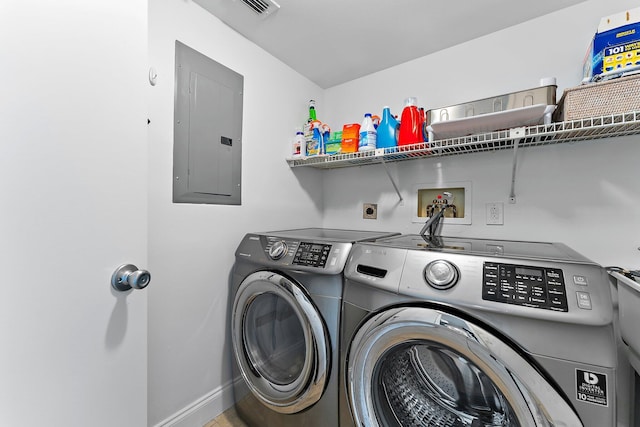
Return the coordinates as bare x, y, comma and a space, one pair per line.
262, 7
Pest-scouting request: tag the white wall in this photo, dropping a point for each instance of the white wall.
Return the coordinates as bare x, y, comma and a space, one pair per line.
191, 247
584, 194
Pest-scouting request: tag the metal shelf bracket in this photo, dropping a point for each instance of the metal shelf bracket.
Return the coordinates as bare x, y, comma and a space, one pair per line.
393, 182
517, 134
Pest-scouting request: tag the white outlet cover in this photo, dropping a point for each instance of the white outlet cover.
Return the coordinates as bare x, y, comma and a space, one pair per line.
495, 213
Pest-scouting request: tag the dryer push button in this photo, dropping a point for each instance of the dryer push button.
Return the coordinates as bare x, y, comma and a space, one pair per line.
312, 254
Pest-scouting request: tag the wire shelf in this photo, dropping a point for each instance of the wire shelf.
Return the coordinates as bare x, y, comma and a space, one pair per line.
555, 133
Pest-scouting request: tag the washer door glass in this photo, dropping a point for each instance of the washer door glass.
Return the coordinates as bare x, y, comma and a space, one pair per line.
427, 384
417, 366
280, 342
274, 339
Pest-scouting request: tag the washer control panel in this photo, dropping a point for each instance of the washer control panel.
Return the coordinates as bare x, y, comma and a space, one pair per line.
530, 286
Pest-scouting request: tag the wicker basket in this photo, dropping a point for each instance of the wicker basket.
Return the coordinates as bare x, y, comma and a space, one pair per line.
600, 99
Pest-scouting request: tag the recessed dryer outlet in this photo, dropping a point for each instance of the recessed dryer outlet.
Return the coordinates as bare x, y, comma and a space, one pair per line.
370, 211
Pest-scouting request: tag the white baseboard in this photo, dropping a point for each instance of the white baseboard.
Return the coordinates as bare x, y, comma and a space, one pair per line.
204, 409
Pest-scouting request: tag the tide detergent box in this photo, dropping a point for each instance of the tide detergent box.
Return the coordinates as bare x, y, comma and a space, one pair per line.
615, 48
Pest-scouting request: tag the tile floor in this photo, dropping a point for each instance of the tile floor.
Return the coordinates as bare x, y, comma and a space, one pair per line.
228, 418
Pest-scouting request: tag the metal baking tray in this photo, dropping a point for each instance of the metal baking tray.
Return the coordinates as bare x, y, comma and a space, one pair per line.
522, 108
540, 95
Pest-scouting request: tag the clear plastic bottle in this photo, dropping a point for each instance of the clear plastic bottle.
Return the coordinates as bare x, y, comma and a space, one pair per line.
308, 130
312, 110
314, 145
326, 135
299, 148
367, 134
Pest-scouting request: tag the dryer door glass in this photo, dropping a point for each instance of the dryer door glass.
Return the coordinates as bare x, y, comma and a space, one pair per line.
280, 342
274, 339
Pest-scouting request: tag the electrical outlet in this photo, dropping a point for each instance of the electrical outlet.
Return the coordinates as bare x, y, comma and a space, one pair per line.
495, 213
370, 211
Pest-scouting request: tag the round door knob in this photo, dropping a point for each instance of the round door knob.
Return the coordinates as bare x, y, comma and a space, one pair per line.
128, 276
277, 250
441, 274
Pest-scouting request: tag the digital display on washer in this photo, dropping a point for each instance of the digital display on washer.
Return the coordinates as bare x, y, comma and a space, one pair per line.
536, 287
528, 272
312, 254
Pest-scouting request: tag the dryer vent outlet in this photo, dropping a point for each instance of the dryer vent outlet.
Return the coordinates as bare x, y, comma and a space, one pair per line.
370, 211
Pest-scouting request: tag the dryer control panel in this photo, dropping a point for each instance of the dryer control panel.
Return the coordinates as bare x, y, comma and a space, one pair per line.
312, 254
530, 286
316, 256
308, 254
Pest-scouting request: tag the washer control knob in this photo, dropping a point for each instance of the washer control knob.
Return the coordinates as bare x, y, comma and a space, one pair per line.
277, 250
441, 274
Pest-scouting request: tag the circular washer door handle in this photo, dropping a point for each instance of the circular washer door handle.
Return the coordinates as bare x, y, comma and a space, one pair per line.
128, 276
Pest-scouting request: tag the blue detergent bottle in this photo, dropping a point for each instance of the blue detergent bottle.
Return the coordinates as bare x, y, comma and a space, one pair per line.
387, 129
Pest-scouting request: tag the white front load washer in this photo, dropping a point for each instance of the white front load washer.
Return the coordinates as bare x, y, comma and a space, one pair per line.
285, 323
470, 332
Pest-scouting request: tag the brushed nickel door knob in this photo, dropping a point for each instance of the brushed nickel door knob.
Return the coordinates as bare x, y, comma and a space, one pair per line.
128, 276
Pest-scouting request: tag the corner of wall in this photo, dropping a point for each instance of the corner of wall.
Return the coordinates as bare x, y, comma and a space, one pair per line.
204, 409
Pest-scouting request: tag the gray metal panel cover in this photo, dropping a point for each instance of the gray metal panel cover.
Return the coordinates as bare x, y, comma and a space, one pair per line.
207, 130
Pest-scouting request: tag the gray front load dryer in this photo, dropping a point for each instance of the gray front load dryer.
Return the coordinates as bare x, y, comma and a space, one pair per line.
471, 332
285, 324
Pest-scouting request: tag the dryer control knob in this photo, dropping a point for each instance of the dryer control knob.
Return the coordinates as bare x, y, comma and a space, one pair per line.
277, 250
441, 274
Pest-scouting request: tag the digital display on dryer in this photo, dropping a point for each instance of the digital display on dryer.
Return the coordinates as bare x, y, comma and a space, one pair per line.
535, 287
312, 254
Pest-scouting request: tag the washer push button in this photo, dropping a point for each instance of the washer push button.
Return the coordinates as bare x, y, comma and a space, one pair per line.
490, 284
556, 290
584, 300
580, 280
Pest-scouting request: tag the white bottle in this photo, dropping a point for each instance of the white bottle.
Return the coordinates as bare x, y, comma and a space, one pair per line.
368, 134
299, 148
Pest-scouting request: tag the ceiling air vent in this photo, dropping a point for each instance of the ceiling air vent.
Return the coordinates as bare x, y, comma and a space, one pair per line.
262, 7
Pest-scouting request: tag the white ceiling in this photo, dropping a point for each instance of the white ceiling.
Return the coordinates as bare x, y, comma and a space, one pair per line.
335, 41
